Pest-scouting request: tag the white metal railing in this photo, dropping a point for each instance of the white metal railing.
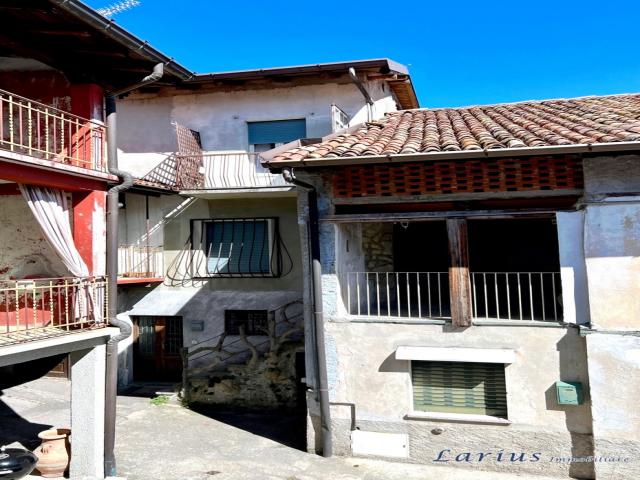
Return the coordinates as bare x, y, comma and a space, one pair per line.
517, 295
396, 294
339, 119
40, 308
140, 261
32, 128
227, 171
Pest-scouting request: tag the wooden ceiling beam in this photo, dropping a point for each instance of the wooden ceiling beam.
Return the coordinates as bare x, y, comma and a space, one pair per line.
63, 33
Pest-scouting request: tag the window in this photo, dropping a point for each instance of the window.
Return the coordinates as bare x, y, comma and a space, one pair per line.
238, 246
241, 247
253, 321
459, 387
264, 136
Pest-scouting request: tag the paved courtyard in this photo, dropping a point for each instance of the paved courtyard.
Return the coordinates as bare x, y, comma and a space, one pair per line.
169, 442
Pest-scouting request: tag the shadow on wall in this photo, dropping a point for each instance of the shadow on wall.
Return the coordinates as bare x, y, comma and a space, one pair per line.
572, 353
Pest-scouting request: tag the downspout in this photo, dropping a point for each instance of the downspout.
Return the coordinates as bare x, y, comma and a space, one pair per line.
318, 321
111, 379
363, 90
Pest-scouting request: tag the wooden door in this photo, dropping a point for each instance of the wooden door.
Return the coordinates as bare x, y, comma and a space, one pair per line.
156, 348
61, 370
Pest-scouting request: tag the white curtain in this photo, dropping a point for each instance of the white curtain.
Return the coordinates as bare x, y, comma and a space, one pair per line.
50, 207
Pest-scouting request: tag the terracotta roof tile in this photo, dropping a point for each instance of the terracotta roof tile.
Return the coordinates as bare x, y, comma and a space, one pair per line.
585, 120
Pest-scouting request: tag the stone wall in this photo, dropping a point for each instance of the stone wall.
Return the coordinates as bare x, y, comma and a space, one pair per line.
377, 243
266, 382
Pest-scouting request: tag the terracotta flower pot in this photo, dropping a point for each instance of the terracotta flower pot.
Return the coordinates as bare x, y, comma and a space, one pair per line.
53, 453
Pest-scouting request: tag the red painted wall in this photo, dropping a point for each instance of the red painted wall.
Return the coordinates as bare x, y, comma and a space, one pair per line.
88, 232
52, 88
48, 86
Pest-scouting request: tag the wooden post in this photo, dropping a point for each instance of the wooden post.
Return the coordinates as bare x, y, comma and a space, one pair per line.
459, 284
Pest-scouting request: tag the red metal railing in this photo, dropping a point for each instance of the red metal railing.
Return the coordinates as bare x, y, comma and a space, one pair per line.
33, 128
42, 308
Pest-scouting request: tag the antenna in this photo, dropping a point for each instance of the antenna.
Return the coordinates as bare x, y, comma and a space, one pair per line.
119, 7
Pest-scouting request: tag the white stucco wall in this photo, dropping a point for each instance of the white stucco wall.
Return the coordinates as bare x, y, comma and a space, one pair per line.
144, 122
363, 371
614, 364
612, 251
132, 219
573, 272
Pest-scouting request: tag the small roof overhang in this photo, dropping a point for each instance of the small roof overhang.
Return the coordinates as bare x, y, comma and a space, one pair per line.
75, 39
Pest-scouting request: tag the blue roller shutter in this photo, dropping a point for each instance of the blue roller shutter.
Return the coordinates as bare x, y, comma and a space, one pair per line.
278, 131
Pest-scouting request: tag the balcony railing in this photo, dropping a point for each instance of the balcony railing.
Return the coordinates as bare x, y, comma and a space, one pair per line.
495, 295
140, 261
31, 128
396, 294
221, 171
43, 308
517, 295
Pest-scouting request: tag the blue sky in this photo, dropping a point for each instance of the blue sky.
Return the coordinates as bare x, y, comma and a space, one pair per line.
458, 52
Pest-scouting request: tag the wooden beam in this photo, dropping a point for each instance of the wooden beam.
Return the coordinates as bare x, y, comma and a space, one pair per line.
9, 189
459, 284
458, 197
441, 215
64, 33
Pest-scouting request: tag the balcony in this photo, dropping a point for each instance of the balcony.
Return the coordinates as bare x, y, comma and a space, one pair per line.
226, 171
509, 296
31, 128
43, 308
140, 264
396, 294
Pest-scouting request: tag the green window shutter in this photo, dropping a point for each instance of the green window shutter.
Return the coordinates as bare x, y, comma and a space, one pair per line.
279, 131
459, 387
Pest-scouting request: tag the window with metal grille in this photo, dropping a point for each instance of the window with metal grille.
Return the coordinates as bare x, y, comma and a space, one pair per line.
241, 247
254, 322
173, 335
459, 387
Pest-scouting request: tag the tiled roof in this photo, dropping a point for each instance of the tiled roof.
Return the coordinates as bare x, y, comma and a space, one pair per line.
578, 121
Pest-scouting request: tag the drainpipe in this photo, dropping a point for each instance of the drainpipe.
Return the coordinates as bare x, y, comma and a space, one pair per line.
318, 321
363, 90
111, 380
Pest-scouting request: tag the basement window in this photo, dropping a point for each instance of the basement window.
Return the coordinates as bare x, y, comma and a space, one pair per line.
466, 388
254, 322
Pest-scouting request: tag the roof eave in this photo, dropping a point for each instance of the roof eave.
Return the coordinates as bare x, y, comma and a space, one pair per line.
121, 35
612, 147
308, 69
